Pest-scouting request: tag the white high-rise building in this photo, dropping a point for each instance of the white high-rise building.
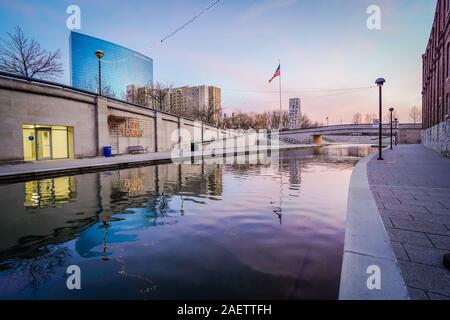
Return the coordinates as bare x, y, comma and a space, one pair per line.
294, 112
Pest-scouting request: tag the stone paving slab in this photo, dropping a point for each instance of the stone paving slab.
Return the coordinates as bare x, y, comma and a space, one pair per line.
411, 188
412, 237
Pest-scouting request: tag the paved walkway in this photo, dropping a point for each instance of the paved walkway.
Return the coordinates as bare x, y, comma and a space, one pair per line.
35, 168
24, 170
412, 190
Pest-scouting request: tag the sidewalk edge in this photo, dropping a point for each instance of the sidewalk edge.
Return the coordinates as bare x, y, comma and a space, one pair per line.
367, 244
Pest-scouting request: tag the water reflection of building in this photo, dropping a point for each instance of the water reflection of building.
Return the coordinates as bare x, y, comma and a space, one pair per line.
57, 210
142, 198
49, 192
295, 177
99, 207
110, 207
358, 151
39, 214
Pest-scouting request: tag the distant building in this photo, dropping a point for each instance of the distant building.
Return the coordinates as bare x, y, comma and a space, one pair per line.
190, 101
294, 113
143, 96
187, 100
436, 83
121, 67
184, 101
215, 97
132, 95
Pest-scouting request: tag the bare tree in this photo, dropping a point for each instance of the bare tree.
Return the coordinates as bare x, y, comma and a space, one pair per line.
207, 114
243, 121
285, 120
107, 90
317, 124
24, 56
357, 118
226, 122
261, 120
132, 94
157, 93
305, 122
265, 120
275, 120
369, 118
415, 114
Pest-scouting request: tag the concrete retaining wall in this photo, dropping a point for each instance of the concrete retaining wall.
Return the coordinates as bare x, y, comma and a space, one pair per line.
23, 102
356, 139
35, 104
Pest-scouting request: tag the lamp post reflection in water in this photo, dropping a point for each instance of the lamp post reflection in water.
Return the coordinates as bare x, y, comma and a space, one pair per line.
104, 243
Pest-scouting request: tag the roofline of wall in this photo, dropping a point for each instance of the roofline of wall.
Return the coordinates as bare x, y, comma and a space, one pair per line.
74, 91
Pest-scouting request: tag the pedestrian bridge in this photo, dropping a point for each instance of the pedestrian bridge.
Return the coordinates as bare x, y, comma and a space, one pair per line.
351, 133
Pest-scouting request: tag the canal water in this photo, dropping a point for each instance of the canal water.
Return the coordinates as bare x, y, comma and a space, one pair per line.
182, 231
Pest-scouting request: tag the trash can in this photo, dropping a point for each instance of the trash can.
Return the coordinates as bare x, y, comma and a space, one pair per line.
107, 151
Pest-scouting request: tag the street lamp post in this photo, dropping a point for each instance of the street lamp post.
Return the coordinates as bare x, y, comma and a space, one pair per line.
396, 131
391, 110
100, 55
380, 82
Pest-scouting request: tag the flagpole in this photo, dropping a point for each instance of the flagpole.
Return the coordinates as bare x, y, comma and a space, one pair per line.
279, 82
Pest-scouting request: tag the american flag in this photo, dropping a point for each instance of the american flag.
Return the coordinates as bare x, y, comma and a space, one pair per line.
276, 74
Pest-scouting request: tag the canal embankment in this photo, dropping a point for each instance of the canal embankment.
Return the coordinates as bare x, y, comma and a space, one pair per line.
369, 270
13, 172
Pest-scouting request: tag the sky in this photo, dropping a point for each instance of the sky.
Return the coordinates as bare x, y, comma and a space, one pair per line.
324, 47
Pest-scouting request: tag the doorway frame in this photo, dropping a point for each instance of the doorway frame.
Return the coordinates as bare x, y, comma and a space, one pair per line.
49, 130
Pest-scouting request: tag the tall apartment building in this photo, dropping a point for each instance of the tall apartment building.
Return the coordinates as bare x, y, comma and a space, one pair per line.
436, 83
184, 101
294, 113
145, 96
189, 101
215, 97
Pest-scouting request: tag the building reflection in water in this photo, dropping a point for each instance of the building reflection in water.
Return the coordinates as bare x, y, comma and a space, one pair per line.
125, 200
49, 192
109, 204
94, 212
86, 207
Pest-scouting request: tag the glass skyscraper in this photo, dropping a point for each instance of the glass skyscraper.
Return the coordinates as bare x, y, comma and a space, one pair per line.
120, 66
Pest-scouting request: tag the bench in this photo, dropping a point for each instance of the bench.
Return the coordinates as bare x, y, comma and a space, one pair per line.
136, 149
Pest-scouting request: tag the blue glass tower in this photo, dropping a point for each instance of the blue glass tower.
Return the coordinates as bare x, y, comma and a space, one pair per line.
120, 66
